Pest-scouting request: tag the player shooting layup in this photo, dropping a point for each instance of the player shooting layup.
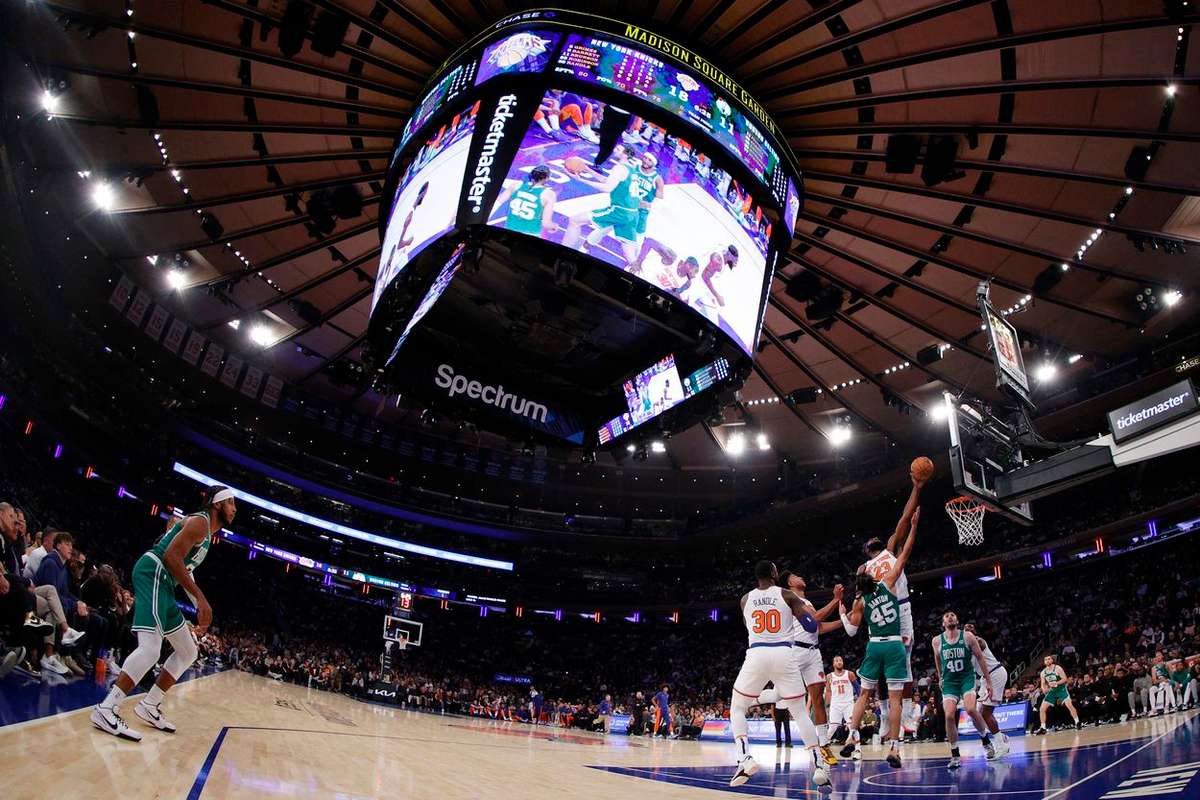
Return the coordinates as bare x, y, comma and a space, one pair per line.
882, 560
156, 615
886, 654
768, 612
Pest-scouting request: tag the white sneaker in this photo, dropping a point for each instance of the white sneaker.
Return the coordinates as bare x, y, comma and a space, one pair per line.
820, 777
152, 715
109, 721
1002, 748
54, 664
72, 636
747, 768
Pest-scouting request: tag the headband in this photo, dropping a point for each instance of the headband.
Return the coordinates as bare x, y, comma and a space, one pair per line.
224, 494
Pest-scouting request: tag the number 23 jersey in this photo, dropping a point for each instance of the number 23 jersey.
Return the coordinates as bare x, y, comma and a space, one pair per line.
768, 617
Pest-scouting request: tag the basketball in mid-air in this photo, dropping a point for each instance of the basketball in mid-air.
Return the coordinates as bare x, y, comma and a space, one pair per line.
921, 468
575, 165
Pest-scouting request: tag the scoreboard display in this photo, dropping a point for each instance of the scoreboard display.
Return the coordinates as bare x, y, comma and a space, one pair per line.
597, 149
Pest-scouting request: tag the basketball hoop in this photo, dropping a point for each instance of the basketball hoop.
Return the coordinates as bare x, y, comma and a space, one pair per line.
401, 641
967, 513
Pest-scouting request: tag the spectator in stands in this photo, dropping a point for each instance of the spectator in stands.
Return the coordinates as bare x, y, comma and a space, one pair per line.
54, 571
33, 559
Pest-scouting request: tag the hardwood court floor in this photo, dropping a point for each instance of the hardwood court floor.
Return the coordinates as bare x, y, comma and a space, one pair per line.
242, 736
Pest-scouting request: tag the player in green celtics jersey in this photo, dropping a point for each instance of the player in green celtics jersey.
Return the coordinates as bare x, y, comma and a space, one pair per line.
530, 203
1053, 681
647, 187
1162, 693
619, 217
953, 651
886, 654
169, 563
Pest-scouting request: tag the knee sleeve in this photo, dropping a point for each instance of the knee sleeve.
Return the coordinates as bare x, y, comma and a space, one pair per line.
144, 656
185, 652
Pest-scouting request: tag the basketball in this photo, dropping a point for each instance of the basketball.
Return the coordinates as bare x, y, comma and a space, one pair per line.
921, 468
575, 165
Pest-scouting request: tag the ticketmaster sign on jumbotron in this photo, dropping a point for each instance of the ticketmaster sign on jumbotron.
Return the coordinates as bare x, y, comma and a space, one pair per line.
1162, 407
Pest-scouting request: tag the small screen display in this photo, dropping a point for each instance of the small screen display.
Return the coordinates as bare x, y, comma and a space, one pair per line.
791, 209
653, 391
599, 60
527, 51
435, 292
1007, 349
452, 84
655, 382
596, 179
426, 204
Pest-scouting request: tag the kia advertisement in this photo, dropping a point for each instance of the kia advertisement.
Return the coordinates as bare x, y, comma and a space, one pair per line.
427, 196
602, 181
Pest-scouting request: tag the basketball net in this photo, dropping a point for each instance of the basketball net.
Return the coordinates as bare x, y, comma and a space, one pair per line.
401, 641
967, 514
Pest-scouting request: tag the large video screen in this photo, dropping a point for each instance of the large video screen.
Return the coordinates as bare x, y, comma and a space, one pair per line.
601, 181
426, 204
440, 283
606, 62
527, 51
452, 84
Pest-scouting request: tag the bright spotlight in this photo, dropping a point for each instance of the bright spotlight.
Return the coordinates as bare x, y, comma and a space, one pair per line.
658, 447
762, 441
629, 448
839, 436
939, 412
50, 102
235, 323
1046, 372
176, 279
735, 445
103, 196
261, 335
1171, 297
1075, 358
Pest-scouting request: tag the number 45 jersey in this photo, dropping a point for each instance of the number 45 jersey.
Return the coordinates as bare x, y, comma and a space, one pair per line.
768, 617
882, 610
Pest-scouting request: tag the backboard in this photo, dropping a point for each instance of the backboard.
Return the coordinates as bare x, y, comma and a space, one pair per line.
983, 449
393, 627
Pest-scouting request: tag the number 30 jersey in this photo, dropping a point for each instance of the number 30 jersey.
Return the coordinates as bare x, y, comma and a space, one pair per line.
768, 617
882, 610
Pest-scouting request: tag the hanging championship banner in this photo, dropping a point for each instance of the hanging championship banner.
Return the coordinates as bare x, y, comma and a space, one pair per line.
271, 392
138, 308
158, 321
174, 336
212, 360
252, 381
195, 346
120, 295
233, 369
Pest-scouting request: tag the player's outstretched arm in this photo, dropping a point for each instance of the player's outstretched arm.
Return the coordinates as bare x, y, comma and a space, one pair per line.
823, 614
852, 620
902, 526
798, 606
906, 551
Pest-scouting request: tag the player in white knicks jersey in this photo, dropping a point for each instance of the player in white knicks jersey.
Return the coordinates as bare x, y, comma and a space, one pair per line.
839, 696
768, 612
992, 669
880, 559
805, 633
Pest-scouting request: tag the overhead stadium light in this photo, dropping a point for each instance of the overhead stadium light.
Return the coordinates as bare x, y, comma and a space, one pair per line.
261, 335
658, 447
735, 445
1046, 372
1171, 297
50, 102
176, 279
103, 195
839, 436
762, 441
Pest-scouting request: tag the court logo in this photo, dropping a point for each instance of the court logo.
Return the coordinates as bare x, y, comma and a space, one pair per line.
487, 155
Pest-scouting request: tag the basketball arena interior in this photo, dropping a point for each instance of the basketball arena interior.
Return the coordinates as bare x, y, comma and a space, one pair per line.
640, 398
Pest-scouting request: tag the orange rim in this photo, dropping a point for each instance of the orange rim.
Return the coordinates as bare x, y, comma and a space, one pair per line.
965, 503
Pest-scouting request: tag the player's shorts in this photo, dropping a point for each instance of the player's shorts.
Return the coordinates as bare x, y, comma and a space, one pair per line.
840, 713
999, 678
1056, 695
623, 221
773, 664
888, 657
958, 685
154, 606
808, 661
